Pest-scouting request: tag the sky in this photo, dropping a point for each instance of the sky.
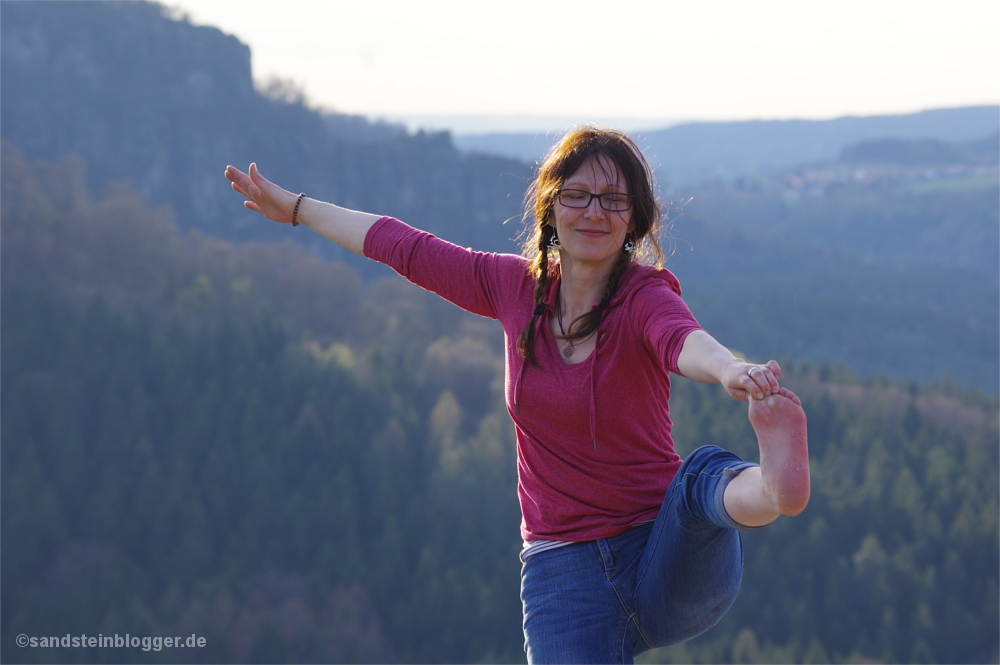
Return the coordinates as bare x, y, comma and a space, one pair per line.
478, 65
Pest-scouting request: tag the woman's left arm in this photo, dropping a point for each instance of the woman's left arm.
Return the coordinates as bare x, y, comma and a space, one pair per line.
703, 359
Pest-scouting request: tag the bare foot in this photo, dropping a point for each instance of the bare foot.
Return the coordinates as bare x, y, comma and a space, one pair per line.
780, 424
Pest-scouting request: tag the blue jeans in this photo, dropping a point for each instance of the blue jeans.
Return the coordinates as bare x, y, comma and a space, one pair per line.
656, 584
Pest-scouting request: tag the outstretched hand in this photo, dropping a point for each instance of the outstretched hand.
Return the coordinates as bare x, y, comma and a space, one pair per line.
262, 195
747, 381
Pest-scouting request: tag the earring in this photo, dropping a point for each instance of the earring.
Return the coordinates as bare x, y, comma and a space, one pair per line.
554, 241
629, 245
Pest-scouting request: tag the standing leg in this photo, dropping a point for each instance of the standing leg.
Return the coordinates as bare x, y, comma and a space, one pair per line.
572, 611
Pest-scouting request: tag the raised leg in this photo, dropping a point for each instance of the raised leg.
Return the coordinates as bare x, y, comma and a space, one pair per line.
780, 486
692, 565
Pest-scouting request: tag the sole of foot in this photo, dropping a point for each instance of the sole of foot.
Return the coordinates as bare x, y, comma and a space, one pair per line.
780, 424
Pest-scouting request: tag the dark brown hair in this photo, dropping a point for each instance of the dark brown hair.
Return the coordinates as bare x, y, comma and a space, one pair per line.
562, 161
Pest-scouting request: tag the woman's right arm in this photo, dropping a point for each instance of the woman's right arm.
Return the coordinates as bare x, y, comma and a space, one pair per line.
347, 228
471, 280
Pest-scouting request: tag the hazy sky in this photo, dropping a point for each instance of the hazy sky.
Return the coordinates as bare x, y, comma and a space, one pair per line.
614, 60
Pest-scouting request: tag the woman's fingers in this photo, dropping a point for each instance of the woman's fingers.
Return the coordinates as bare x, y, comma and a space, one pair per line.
262, 195
256, 180
752, 385
242, 184
251, 185
241, 181
769, 374
762, 380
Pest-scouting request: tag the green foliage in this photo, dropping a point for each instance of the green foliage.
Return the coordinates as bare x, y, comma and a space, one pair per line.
293, 498
882, 564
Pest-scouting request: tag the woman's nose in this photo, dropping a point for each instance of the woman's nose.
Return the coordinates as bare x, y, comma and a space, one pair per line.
594, 208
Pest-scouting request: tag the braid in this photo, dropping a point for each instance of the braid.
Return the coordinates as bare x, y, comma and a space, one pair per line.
543, 276
526, 340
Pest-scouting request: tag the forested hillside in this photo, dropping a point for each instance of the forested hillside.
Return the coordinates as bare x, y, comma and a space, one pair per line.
894, 269
166, 105
258, 447
839, 260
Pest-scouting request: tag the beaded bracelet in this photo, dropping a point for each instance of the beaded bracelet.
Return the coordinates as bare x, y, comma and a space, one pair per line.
295, 212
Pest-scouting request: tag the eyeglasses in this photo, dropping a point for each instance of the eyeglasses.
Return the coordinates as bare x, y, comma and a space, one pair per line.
610, 201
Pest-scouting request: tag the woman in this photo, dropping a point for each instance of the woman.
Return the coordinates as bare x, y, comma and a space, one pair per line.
626, 547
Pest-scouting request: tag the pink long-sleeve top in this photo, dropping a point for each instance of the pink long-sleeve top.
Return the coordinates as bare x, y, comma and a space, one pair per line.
594, 451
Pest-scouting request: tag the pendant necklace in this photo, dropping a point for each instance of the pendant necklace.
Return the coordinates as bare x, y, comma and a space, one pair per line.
568, 351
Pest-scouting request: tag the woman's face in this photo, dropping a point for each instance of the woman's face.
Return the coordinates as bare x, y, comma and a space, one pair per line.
592, 236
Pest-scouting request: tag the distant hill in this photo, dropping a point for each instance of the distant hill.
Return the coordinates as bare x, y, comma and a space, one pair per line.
690, 152
776, 258
166, 105
981, 152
